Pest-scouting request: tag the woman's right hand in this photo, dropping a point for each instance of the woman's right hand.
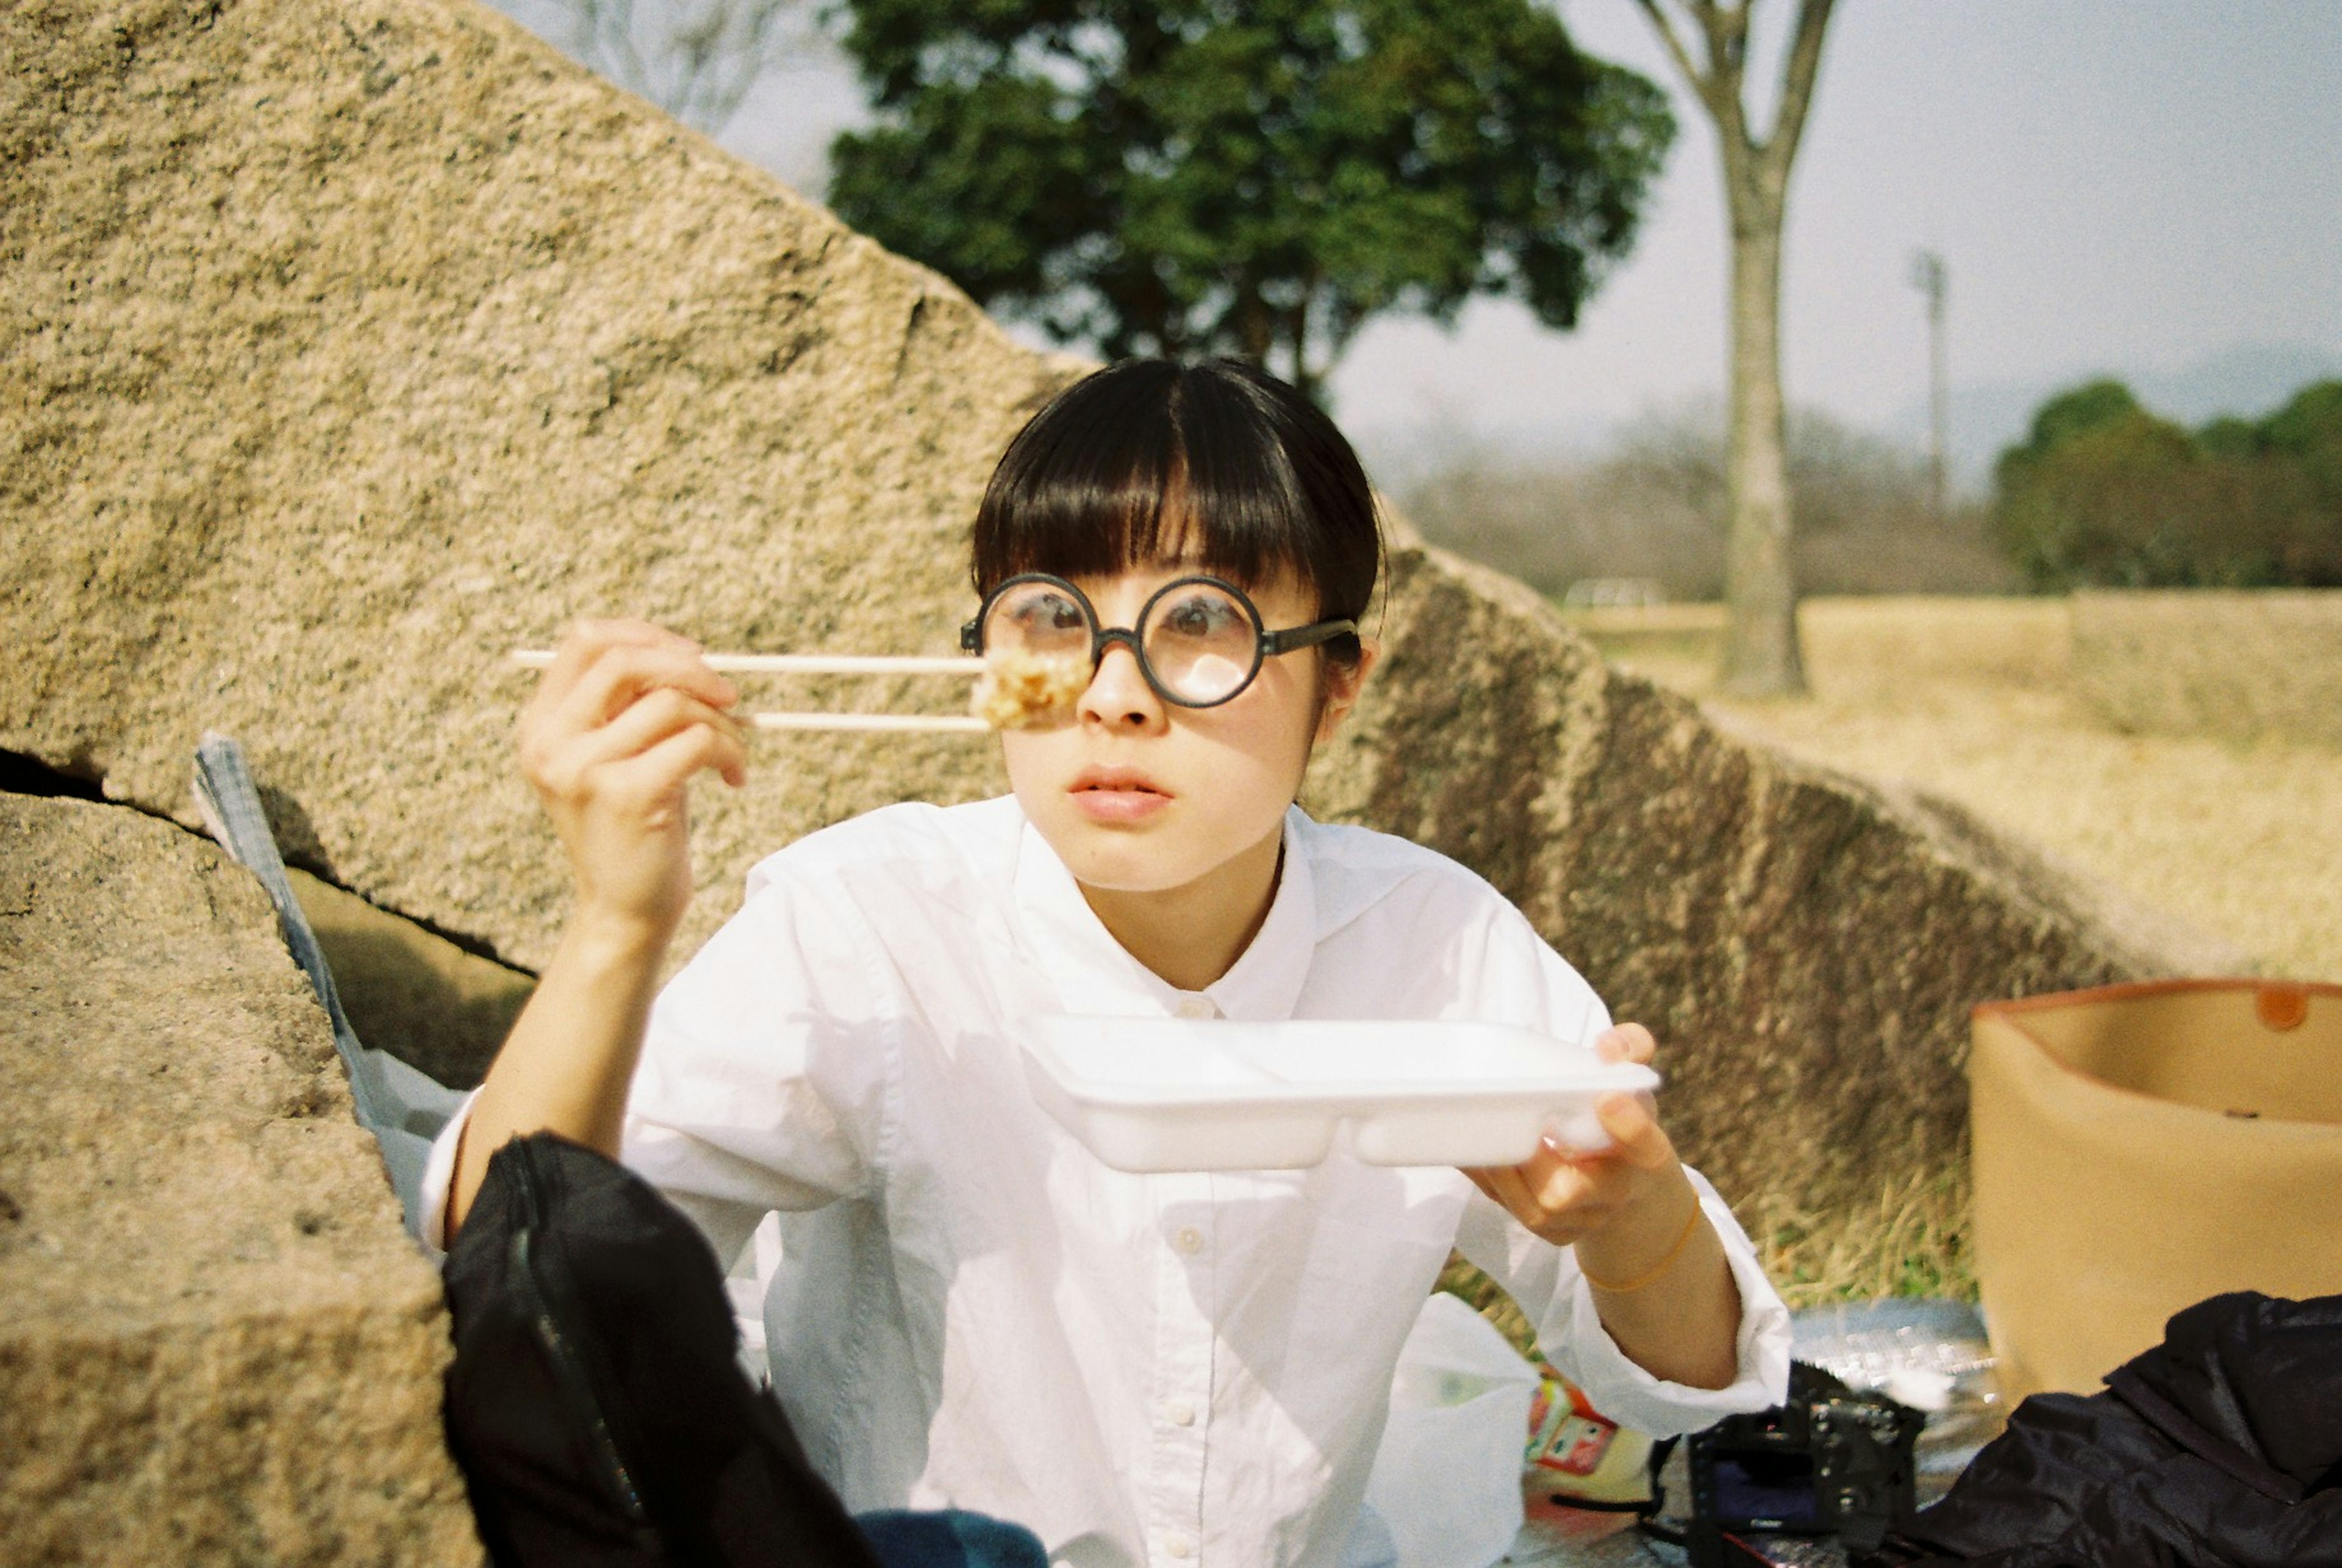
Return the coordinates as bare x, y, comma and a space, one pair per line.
627, 715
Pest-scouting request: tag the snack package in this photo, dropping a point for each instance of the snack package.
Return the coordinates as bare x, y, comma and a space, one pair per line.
1576, 1453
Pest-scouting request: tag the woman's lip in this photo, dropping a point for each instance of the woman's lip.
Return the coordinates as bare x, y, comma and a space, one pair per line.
1110, 806
1091, 780
1115, 795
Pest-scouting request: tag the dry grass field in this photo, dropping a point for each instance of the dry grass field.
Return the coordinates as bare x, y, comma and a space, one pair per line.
1969, 698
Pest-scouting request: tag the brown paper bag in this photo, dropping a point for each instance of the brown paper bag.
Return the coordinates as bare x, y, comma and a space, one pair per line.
2137, 1148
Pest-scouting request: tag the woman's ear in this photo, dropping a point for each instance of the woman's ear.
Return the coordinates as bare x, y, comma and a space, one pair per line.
1343, 681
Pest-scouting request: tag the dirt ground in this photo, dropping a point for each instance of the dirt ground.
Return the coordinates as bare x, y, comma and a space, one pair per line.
1969, 698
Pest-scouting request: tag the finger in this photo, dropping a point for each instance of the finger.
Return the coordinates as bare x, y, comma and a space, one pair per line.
586, 641
1568, 1187
648, 720
1507, 1184
623, 674
652, 781
595, 769
557, 704
1636, 1134
1627, 1043
1561, 1194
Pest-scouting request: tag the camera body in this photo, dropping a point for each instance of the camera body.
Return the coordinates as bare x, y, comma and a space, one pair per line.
1828, 1462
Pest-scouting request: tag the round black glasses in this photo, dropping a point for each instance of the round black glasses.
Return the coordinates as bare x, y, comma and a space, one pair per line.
1199, 641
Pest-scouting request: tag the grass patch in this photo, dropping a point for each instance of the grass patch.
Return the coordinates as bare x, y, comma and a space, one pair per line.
1485, 1296
1913, 1243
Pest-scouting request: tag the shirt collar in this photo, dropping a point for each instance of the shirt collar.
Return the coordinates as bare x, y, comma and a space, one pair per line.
1093, 974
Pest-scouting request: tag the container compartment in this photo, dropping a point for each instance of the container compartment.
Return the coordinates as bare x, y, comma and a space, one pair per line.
1175, 1095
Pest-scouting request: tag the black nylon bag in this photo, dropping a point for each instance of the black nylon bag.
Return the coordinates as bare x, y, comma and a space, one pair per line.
2221, 1446
595, 1403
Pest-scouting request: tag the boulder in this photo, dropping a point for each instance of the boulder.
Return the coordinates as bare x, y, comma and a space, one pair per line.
216, 1344
345, 348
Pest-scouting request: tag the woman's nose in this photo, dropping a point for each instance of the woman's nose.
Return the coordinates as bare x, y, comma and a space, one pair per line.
1118, 694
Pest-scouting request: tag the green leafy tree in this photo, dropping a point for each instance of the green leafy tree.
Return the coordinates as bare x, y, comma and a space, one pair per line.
2306, 436
1199, 177
2102, 493
2308, 430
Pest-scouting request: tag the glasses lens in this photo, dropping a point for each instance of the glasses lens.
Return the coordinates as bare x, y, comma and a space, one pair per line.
1040, 619
1202, 642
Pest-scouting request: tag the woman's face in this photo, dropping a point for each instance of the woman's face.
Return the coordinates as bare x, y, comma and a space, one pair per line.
1138, 796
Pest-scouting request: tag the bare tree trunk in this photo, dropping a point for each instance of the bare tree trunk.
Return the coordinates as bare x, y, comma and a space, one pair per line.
1761, 656
1760, 644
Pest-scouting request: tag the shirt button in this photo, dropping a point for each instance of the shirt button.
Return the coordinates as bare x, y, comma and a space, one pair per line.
1195, 1007
1179, 1546
1181, 1413
1188, 1239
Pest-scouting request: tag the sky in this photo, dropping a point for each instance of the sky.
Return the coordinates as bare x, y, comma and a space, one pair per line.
2150, 189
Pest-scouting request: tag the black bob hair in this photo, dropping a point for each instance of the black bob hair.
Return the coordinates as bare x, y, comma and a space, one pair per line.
1220, 463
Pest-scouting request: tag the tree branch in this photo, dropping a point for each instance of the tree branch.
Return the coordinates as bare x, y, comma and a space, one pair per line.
1718, 87
1682, 58
1797, 83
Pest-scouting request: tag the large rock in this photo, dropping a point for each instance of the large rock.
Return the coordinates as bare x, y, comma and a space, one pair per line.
215, 1346
345, 347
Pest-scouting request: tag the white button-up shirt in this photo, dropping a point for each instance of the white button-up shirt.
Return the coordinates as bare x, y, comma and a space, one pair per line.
972, 1311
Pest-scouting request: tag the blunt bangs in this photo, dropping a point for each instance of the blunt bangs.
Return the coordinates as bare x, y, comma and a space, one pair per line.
1217, 464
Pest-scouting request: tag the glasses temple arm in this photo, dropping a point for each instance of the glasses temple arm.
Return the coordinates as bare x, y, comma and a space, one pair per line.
1309, 636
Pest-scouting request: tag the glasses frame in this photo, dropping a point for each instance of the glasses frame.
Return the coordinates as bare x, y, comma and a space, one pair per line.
1266, 645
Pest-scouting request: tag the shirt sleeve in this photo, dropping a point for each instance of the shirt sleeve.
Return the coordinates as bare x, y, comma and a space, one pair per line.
438, 1176
1523, 980
766, 1065
1547, 1283
763, 1079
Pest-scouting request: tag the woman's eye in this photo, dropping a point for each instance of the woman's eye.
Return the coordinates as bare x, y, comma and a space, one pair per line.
1202, 617
1049, 613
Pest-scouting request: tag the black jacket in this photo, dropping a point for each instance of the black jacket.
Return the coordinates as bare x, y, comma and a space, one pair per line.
2222, 1445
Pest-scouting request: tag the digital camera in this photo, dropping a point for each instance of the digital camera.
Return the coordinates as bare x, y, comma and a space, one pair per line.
1829, 1461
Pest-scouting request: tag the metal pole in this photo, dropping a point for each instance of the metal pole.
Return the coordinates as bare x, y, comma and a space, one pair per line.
1933, 279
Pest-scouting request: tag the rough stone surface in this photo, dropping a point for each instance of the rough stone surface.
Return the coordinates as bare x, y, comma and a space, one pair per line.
2240, 665
345, 348
216, 1344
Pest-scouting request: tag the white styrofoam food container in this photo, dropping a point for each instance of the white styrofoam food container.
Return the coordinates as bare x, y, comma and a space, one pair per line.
1176, 1094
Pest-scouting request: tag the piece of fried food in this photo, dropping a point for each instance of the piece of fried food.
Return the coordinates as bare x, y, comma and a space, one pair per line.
1020, 691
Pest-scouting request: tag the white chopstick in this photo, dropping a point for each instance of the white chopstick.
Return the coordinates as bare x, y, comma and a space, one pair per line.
949, 724
804, 663
830, 664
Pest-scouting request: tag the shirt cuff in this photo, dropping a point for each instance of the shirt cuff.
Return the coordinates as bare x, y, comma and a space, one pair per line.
438, 1176
1629, 1396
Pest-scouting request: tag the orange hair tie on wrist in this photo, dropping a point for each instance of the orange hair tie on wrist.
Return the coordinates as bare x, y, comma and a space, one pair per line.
1655, 1270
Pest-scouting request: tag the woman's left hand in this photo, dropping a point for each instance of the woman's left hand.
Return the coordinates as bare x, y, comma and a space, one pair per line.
1603, 1201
